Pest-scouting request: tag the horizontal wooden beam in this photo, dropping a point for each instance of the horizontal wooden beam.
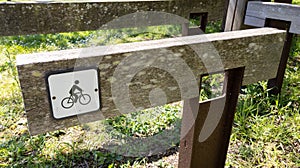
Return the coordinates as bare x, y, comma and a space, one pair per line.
55, 17
129, 74
258, 12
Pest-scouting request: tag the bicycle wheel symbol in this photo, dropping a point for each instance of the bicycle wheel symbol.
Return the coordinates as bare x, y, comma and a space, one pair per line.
84, 99
67, 102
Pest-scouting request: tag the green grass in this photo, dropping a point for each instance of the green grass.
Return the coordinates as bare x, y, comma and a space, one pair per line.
146, 122
296, 2
266, 130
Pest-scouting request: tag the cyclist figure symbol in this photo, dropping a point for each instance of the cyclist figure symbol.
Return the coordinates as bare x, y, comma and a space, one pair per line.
75, 95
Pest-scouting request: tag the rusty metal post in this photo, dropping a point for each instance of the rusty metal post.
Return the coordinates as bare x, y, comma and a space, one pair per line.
277, 82
212, 151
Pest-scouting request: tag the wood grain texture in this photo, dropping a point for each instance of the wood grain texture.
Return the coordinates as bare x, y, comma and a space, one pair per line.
235, 15
132, 75
258, 12
55, 17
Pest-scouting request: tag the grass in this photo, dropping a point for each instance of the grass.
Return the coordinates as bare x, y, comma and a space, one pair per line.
296, 2
266, 131
147, 122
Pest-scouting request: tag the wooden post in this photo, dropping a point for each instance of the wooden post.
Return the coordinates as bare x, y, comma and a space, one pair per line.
276, 83
198, 29
212, 151
235, 15
284, 21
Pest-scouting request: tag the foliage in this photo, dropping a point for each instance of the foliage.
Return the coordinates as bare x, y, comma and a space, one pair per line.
128, 35
296, 2
213, 27
211, 86
146, 122
46, 41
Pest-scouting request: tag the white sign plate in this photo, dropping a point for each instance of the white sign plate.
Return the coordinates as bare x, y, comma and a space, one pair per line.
74, 93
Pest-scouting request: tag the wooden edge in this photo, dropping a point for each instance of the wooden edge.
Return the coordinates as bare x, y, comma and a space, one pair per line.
258, 12
140, 46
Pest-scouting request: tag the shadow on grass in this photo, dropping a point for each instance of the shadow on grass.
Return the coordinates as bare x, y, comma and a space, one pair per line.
26, 151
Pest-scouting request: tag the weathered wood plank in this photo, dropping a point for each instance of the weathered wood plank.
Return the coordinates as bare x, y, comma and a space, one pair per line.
258, 12
173, 66
230, 15
54, 17
235, 15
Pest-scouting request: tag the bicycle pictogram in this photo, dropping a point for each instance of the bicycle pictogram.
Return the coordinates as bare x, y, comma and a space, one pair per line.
76, 93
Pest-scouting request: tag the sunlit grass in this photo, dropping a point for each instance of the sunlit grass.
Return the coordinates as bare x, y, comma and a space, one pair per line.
296, 2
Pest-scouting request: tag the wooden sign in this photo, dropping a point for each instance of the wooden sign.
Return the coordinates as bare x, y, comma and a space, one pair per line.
129, 73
